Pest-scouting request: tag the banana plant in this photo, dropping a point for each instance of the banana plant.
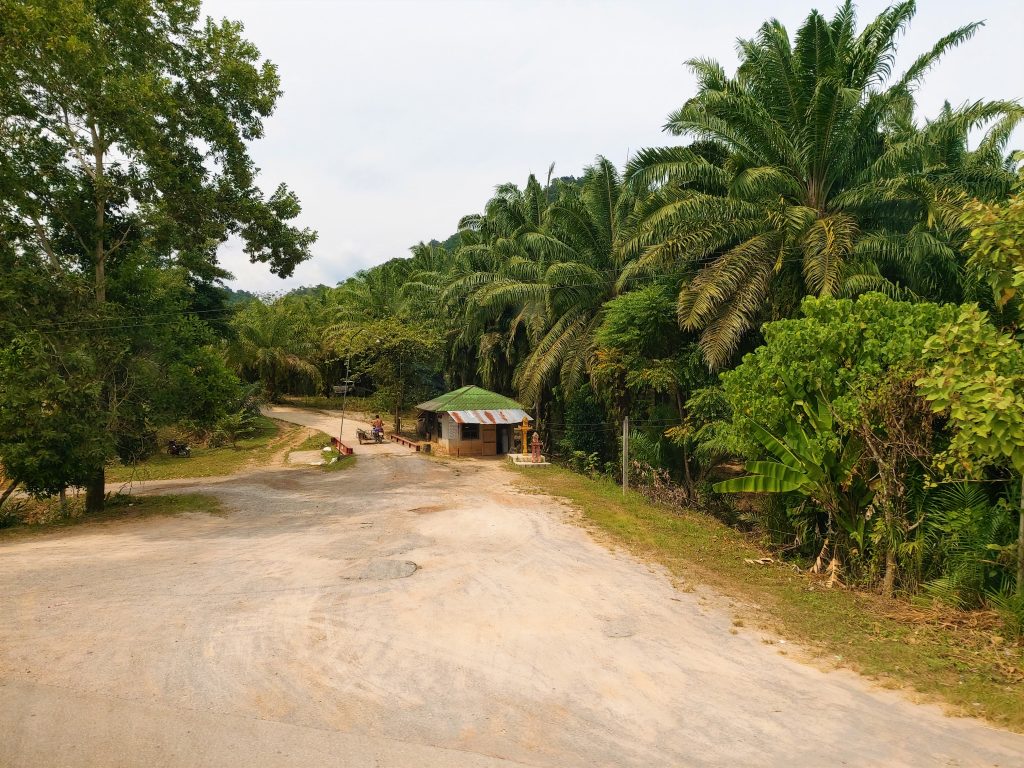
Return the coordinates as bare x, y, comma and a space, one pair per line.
815, 462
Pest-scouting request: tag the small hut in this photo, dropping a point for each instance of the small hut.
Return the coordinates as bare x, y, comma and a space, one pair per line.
470, 421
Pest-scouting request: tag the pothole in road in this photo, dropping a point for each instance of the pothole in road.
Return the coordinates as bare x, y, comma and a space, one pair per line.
619, 628
381, 570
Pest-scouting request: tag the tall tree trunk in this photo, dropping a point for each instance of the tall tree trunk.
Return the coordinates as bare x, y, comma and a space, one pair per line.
99, 184
95, 491
10, 489
889, 579
687, 477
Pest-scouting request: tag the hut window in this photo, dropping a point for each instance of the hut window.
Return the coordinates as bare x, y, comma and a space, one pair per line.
470, 431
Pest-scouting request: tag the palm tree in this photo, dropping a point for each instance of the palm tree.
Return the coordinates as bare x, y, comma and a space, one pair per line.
499, 245
371, 294
272, 341
557, 292
808, 175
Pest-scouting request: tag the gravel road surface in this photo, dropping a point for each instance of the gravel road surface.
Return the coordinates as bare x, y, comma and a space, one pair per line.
409, 612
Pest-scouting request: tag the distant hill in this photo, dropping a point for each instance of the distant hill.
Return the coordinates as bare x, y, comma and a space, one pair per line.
308, 290
232, 297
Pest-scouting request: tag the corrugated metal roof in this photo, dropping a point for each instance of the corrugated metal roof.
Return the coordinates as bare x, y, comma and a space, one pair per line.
470, 399
497, 416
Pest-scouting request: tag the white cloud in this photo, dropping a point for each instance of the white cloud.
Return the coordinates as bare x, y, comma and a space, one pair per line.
400, 117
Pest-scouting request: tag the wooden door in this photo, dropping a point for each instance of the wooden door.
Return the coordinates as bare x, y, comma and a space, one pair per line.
488, 439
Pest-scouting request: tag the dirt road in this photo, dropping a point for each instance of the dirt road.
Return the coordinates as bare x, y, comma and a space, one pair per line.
408, 612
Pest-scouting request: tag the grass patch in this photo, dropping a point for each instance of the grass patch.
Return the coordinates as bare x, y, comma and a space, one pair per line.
343, 462
955, 658
317, 441
46, 515
314, 442
271, 438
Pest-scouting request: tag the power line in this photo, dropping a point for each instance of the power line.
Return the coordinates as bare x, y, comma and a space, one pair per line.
118, 323
151, 314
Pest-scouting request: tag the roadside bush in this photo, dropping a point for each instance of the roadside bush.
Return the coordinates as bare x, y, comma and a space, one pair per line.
242, 421
861, 408
584, 417
233, 427
1010, 608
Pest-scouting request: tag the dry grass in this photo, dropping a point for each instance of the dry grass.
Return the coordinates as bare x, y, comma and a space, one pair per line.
31, 516
949, 657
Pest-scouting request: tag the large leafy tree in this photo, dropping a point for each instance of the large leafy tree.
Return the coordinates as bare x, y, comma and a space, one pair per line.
51, 431
976, 378
123, 151
399, 356
822, 182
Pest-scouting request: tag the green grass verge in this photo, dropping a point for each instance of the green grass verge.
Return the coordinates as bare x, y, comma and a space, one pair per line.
209, 462
314, 442
954, 658
317, 442
343, 462
46, 515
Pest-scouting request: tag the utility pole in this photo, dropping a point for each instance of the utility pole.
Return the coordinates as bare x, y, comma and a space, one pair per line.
625, 455
347, 383
344, 398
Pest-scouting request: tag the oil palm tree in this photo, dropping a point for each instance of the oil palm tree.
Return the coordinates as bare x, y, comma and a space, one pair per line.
556, 294
271, 342
505, 243
820, 177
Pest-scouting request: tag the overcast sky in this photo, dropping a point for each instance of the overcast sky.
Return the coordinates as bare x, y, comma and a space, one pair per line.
400, 117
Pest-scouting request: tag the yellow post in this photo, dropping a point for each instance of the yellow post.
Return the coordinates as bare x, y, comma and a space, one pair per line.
525, 428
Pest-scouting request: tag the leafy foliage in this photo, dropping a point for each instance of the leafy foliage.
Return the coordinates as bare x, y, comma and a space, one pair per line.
840, 349
124, 159
812, 461
977, 378
808, 176
272, 341
996, 245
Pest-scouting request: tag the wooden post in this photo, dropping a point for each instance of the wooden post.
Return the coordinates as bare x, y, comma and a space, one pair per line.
525, 429
625, 455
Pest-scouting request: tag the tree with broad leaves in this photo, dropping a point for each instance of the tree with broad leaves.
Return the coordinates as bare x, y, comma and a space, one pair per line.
124, 128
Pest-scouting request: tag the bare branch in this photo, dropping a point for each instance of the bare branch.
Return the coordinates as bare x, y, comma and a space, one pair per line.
10, 489
120, 242
73, 139
44, 241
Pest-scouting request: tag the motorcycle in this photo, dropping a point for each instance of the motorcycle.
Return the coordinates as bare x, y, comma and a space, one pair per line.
175, 448
378, 434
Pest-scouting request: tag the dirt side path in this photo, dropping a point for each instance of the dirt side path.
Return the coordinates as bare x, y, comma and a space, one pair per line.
322, 421
409, 612
330, 422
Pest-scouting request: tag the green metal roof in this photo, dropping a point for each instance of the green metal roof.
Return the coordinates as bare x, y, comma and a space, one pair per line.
469, 398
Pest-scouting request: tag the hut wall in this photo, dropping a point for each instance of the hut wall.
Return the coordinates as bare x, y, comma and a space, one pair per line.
448, 439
